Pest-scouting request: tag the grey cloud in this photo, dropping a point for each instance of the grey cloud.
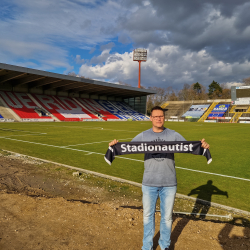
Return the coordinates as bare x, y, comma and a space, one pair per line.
141, 40
227, 7
44, 31
92, 50
79, 60
114, 58
108, 29
86, 24
101, 58
105, 57
59, 25
183, 9
243, 17
124, 38
131, 3
53, 21
107, 46
218, 26
169, 66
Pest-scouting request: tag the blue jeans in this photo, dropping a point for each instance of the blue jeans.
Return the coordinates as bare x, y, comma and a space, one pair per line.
150, 196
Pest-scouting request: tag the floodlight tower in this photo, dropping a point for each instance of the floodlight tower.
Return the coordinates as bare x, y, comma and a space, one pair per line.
140, 55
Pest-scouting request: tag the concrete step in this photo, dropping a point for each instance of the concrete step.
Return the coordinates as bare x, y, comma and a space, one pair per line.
7, 112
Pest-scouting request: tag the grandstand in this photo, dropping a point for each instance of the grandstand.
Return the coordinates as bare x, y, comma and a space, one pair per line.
220, 110
34, 95
176, 108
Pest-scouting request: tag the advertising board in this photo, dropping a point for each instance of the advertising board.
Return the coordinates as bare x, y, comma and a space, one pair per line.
210, 121
244, 122
219, 110
241, 102
196, 111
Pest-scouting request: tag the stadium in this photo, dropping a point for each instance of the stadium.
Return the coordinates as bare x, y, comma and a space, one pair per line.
67, 121
29, 95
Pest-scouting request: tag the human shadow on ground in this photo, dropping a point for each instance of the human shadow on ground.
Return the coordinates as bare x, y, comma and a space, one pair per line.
202, 205
157, 237
155, 240
132, 207
83, 201
228, 238
205, 193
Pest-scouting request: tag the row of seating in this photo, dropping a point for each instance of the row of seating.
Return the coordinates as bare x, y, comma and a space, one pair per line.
214, 111
21, 104
63, 108
121, 110
97, 109
27, 106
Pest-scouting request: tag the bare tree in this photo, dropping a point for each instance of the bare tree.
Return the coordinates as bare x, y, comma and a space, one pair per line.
187, 93
195, 91
159, 98
246, 81
201, 94
226, 92
184, 94
173, 96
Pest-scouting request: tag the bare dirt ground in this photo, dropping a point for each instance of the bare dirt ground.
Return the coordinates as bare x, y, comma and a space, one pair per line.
43, 206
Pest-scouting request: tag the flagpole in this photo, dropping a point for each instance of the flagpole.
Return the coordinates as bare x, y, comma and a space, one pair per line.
139, 79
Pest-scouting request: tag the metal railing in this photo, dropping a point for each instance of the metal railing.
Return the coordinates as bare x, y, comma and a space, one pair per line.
164, 105
236, 117
205, 115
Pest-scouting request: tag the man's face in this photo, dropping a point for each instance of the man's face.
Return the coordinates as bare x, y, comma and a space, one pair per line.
157, 118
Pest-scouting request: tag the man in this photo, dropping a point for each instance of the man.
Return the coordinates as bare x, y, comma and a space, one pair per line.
159, 180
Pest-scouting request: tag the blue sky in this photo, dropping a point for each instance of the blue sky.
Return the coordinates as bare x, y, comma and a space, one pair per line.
187, 41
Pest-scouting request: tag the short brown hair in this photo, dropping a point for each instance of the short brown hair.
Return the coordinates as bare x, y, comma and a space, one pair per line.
157, 108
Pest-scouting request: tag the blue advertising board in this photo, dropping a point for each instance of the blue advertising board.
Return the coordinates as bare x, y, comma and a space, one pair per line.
219, 110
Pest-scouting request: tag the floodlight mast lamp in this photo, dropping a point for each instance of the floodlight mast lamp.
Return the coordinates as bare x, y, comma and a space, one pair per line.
140, 55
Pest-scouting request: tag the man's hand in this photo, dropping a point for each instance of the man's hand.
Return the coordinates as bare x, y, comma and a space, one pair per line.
204, 144
113, 142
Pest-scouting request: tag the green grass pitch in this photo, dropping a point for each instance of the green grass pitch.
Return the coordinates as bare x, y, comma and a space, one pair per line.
83, 145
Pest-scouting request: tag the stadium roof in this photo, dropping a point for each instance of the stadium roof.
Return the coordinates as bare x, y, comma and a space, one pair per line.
32, 78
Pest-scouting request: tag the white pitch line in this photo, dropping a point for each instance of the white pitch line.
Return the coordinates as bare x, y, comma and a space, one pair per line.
188, 169
131, 159
99, 128
19, 135
228, 176
6, 129
94, 142
43, 144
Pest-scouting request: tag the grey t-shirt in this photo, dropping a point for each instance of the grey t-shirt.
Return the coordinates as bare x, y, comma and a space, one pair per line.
159, 169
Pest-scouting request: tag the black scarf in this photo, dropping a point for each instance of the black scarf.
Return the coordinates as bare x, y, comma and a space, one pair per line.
121, 148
